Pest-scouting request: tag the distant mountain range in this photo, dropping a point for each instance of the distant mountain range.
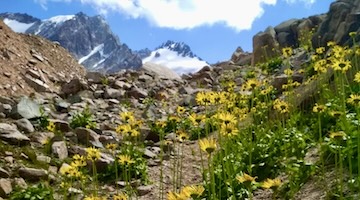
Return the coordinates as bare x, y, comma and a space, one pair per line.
91, 41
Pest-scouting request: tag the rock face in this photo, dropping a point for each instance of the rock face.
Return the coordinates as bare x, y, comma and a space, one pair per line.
89, 40
265, 46
342, 18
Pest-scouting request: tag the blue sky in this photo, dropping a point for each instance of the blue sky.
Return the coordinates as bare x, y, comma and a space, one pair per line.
212, 28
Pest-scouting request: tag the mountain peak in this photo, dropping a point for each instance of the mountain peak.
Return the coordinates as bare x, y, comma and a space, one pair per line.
180, 47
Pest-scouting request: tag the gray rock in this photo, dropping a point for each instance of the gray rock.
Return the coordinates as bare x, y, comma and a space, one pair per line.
59, 149
111, 93
5, 187
265, 46
95, 77
62, 106
99, 94
144, 189
74, 86
121, 85
44, 159
26, 108
61, 125
342, 18
7, 100
160, 70
20, 182
37, 84
137, 93
24, 125
149, 154
11, 134
42, 137
33, 174
88, 137
4, 173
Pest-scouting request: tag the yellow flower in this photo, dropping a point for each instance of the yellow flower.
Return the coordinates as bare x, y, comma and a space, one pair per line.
78, 161
354, 100
121, 129
314, 57
341, 65
319, 108
94, 198
287, 52
271, 183
251, 84
337, 135
207, 145
176, 196
180, 110
92, 154
281, 106
204, 98
357, 52
70, 171
125, 160
320, 50
193, 191
336, 114
111, 146
331, 43
182, 136
127, 116
352, 34
227, 118
127, 130
228, 130
120, 196
288, 72
196, 119
320, 66
51, 127
357, 77
160, 124
245, 178
174, 118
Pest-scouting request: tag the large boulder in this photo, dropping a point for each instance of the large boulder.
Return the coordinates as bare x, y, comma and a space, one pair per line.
160, 70
26, 108
11, 134
343, 18
265, 46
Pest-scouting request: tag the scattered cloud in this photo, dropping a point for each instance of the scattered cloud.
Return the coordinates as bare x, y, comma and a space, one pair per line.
186, 14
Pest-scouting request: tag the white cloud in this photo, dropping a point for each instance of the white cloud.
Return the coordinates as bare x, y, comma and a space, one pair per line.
186, 14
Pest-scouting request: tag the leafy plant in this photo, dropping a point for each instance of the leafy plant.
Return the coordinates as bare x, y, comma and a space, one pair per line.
36, 192
83, 119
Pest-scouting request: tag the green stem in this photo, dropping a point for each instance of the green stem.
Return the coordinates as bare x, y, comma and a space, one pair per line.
95, 178
212, 178
161, 165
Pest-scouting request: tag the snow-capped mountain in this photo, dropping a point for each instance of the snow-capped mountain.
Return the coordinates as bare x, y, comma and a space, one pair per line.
89, 39
176, 56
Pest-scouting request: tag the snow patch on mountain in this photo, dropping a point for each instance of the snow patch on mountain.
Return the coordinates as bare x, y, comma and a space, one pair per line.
172, 59
17, 26
60, 19
92, 52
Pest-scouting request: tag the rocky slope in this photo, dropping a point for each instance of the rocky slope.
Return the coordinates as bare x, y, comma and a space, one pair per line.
32, 64
89, 39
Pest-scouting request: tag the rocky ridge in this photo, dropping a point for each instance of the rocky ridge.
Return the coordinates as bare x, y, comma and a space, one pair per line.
32, 64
